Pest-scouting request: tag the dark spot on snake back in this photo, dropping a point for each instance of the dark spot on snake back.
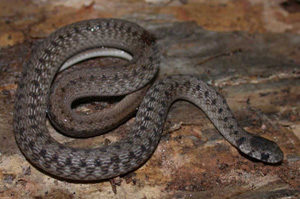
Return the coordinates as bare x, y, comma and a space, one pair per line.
63, 89
97, 162
74, 150
106, 24
131, 155
18, 107
225, 119
32, 117
143, 128
250, 153
104, 169
213, 102
206, 93
24, 73
135, 33
88, 26
129, 142
21, 85
115, 25
35, 83
149, 108
40, 134
264, 156
60, 37
20, 96
128, 29
73, 82
54, 158
49, 141
38, 71
151, 59
22, 129
125, 76
54, 43
43, 153
147, 38
33, 95
167, 93
144, 66
143, 148
156, 90
151, 99
34, 126
90, 170
161, 83
31, 105
187, 84
68, 161
147, 118
116, 78
82, 163
47, 165
240, 141
92, 77
116, 168
68, 34
134, 72
42, 61
76, 30
103, 150
31, 145
220, 111
75, 169
115, 159
161, 114
47, 52
18, 119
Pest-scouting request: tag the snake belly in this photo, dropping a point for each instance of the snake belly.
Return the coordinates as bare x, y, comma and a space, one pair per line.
121, 157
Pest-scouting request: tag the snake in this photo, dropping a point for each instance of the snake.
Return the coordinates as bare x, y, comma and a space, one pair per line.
128, 154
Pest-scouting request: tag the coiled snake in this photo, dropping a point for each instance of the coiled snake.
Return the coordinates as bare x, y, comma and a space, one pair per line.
32, 102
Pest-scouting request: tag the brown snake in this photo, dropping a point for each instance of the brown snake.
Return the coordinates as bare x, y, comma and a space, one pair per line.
104, 162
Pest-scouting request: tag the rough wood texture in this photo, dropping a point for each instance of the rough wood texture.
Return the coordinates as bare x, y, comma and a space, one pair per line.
258, 73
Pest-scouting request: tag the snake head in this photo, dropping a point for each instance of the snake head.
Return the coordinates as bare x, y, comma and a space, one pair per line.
261, 149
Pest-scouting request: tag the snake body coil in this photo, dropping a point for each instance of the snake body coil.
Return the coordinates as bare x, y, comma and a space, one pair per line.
104, 162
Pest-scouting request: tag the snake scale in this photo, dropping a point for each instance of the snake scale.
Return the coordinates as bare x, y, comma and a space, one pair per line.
32, 103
